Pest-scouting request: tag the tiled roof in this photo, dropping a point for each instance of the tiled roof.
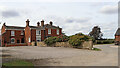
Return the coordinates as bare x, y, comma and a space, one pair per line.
35, 27
15, 27
49, 26
45, 26
118, 32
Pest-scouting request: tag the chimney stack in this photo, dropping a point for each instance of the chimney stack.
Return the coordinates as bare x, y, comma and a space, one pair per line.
38, 24
42, 23
27, 22
51, 23
4, 24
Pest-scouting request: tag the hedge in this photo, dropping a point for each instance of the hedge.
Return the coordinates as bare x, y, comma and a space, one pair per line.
52, 40
107, 41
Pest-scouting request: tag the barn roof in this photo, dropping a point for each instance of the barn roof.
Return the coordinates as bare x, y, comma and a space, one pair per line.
118, 32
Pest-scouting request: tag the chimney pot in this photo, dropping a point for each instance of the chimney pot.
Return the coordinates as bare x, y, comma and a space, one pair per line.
38, 23
27, 22
51, 23
4, 24
42, 23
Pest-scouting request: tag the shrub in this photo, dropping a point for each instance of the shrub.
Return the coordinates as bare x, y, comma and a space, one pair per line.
78, 39
52, 40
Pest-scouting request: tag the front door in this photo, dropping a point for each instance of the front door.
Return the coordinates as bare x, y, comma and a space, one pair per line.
22, 40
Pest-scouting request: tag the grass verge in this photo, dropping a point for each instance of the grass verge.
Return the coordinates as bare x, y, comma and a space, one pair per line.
18, 64
96, 49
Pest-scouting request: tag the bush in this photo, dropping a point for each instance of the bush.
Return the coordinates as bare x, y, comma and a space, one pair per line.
78, 39
52, 40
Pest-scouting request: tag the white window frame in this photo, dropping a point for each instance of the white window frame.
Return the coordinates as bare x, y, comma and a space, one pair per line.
22, 32
58, 32
12, 33
29, 40
38, 38
11, 40
49, 31
38, 32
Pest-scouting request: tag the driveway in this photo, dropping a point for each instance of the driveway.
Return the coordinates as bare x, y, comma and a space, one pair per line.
60, 56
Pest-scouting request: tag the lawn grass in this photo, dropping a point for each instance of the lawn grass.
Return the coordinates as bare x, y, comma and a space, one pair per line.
18, 64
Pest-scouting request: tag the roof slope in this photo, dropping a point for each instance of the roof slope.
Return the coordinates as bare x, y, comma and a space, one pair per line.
14, 27
118, 32
45, 26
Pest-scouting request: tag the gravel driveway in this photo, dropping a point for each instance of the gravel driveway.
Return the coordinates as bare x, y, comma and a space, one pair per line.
60, 56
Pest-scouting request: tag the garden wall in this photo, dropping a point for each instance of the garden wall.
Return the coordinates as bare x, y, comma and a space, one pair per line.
85, 45
39, 44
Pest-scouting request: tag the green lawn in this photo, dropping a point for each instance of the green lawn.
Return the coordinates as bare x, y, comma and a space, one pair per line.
18, 64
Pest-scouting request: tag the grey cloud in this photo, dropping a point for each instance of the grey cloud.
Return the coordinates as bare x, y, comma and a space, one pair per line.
109, 9
80, 20
10, 13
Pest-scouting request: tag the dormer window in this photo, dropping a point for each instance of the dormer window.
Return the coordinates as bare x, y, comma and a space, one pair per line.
49, 31
12, 33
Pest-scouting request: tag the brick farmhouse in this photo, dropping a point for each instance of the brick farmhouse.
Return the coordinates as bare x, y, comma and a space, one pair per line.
22, 36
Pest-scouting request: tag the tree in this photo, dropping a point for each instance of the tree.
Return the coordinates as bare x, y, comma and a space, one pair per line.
96, 33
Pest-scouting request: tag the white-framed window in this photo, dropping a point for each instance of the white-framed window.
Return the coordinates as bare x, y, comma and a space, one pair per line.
29, 39
49, 31
22, 32
12, 33
12, 40
38, 38
57, 31
38, 32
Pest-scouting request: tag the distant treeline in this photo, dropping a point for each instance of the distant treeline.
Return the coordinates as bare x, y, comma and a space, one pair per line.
104, 41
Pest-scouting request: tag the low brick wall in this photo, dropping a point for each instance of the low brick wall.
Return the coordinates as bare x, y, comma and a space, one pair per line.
20, 44
39, 44
85, 45
61, 44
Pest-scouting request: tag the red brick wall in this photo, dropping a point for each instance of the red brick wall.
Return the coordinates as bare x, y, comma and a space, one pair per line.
6, 37
33, 35
42, 35
17, 36
3, 29
117, 38
0, 40
27, 35
53, 32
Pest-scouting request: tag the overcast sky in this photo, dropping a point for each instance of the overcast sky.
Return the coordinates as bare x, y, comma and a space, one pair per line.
73, 17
